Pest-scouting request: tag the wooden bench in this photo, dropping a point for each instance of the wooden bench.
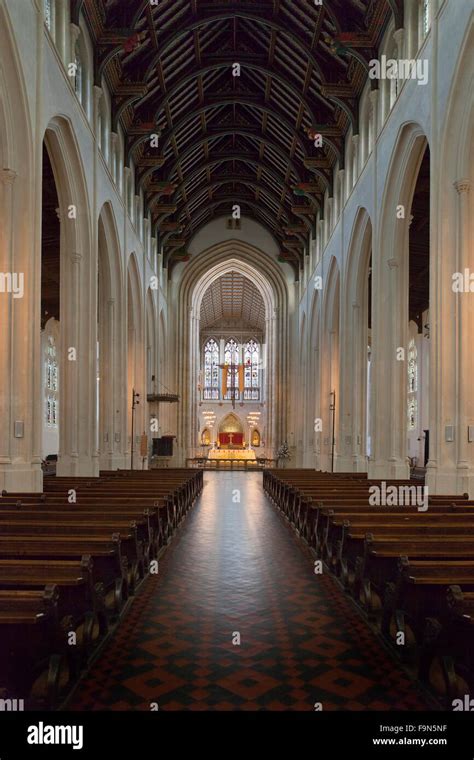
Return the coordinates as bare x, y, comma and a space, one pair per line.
31, 642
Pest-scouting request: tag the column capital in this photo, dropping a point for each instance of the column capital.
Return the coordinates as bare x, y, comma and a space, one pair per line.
127, 171
75, 31
392, 263
355, 140
462, 185
98, 92
76, 256
398, 36
7, 176
113, 138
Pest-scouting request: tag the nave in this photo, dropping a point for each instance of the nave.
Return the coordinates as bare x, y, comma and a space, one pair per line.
235, 567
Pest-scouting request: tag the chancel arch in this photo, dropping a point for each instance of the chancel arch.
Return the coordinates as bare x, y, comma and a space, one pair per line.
251, 263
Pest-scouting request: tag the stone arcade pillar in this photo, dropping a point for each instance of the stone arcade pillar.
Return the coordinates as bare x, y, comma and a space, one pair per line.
450, 467
20, 431
389, 369
78, 455
352, 411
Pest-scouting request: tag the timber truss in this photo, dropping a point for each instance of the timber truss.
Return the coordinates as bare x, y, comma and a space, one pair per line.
226, 140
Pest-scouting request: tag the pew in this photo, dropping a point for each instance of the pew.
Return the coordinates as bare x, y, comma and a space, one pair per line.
31, 642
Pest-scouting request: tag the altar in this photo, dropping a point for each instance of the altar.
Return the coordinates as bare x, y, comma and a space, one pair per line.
233, 454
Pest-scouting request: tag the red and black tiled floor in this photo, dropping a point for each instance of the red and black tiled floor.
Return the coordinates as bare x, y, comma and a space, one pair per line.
236, 571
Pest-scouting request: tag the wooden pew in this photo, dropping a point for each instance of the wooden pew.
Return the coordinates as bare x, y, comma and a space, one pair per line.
31, 642
110, 567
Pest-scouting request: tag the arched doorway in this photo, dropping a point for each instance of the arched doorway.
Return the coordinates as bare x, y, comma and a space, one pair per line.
231, 433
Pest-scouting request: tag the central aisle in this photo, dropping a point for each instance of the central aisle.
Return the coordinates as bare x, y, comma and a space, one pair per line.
234, 570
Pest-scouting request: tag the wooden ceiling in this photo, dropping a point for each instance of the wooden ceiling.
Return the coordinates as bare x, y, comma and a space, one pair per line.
224, 139
233, 298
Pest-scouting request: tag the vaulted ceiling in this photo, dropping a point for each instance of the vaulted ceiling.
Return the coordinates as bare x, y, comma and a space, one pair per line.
226, 139
232, 298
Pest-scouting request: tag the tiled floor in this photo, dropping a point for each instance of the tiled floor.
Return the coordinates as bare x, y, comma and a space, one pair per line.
237, 620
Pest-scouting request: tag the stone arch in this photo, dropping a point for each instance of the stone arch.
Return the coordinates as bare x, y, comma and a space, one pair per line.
78, 435
267, 276
354, 367
390, 282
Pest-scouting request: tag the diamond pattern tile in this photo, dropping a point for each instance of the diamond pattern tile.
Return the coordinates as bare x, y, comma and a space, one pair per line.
237, 620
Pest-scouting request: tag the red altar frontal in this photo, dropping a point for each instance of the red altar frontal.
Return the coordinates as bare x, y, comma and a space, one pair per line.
231, 439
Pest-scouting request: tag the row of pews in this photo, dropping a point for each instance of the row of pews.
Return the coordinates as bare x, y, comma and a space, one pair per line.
410, 571
70, 559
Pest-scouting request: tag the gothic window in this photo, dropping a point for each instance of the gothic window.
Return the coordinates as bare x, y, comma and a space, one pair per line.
412, 368
51, 383
211, 370
412, 385
78, 77
48, 13
251, 370
425, 17
231, 357
412, 413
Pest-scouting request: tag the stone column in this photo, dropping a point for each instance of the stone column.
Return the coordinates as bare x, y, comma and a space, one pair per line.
373, 118
465, 457
113, 148
355, 159
342, 187
399, 36
61, 21
7, 302
20, 435
411, 26
97, 95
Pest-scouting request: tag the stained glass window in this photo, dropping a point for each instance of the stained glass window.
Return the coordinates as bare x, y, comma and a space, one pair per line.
51, 383
211, 370
412, 368
425, 17
231, 356
412, 385
412, 413
78, 77
251, 370
48, 13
